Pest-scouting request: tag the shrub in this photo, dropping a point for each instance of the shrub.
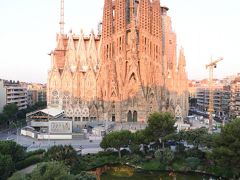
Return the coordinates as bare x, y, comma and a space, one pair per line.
125, 152
6, 166
37, 152
65, 153
19, 176
106, 153
132, 159
85, 176
51, 171
27, 162
165, 156
194, 152
192, 163
12, 149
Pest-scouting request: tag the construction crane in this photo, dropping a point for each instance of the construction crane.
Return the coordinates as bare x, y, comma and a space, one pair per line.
211, 66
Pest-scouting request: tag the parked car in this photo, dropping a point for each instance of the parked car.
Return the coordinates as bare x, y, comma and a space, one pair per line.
9, 139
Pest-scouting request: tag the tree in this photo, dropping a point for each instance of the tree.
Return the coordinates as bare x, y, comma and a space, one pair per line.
116, 140
40, 105
12, 149
197, 137
138, 138
177, 138
10, 109
226, 152
6, 166
66, 153
160, 125
21, 114
3, 119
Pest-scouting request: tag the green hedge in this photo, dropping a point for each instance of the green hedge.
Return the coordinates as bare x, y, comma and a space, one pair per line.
28, 162
32, 153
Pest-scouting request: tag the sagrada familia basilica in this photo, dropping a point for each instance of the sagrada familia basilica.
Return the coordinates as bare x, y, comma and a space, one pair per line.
125, 72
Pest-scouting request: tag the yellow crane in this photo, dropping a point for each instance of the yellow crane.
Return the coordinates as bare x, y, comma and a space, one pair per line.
211, 66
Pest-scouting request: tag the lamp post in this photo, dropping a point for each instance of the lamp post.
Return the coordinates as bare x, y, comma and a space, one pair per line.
16, 129
48, 132
160, 140
17, 134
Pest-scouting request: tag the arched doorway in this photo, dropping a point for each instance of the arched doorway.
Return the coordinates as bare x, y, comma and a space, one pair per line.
135, 116
113, 118
129, 116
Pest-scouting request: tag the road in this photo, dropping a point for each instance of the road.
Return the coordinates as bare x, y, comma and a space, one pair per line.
88, 147
196, 123
34, 144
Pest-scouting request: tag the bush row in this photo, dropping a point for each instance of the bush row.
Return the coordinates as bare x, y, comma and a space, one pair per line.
32, 153
28, 162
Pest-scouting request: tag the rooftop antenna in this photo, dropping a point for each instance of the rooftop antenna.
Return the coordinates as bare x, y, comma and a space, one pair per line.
62, 18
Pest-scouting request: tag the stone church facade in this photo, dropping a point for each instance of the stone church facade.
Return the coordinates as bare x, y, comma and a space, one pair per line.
126, 72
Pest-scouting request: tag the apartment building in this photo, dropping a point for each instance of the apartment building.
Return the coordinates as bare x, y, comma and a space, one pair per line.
12, 92
235, 98
36, 92
221, 99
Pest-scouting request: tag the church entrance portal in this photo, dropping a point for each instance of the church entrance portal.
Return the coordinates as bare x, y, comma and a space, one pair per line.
113, 118
135, 116
132, 117
129, 116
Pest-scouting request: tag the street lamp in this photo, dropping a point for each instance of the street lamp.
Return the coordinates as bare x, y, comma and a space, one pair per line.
48, 131
160, 140
16, 129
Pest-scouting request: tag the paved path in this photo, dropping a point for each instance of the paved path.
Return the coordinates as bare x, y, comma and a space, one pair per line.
27, 170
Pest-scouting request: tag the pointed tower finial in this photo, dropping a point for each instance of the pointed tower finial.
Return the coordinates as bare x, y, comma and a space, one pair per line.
81, 32
62, 18
92, 32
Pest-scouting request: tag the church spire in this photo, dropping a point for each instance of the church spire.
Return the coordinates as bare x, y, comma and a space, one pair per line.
144, 17
81, 50
107, 27
62, 17
53, 61
131, 9
181, 61
156, 19
120, 15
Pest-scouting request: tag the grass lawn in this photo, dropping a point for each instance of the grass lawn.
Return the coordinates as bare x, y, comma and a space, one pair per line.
151, 165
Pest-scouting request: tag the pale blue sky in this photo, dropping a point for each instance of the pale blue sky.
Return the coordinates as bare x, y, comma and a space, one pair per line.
28, 28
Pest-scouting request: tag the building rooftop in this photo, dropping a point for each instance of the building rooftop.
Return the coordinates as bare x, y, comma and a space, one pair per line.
52, 111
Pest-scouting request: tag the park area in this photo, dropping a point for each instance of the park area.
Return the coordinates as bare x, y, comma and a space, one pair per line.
157, 151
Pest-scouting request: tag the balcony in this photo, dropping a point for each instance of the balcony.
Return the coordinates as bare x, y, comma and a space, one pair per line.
17, 96
22, 107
